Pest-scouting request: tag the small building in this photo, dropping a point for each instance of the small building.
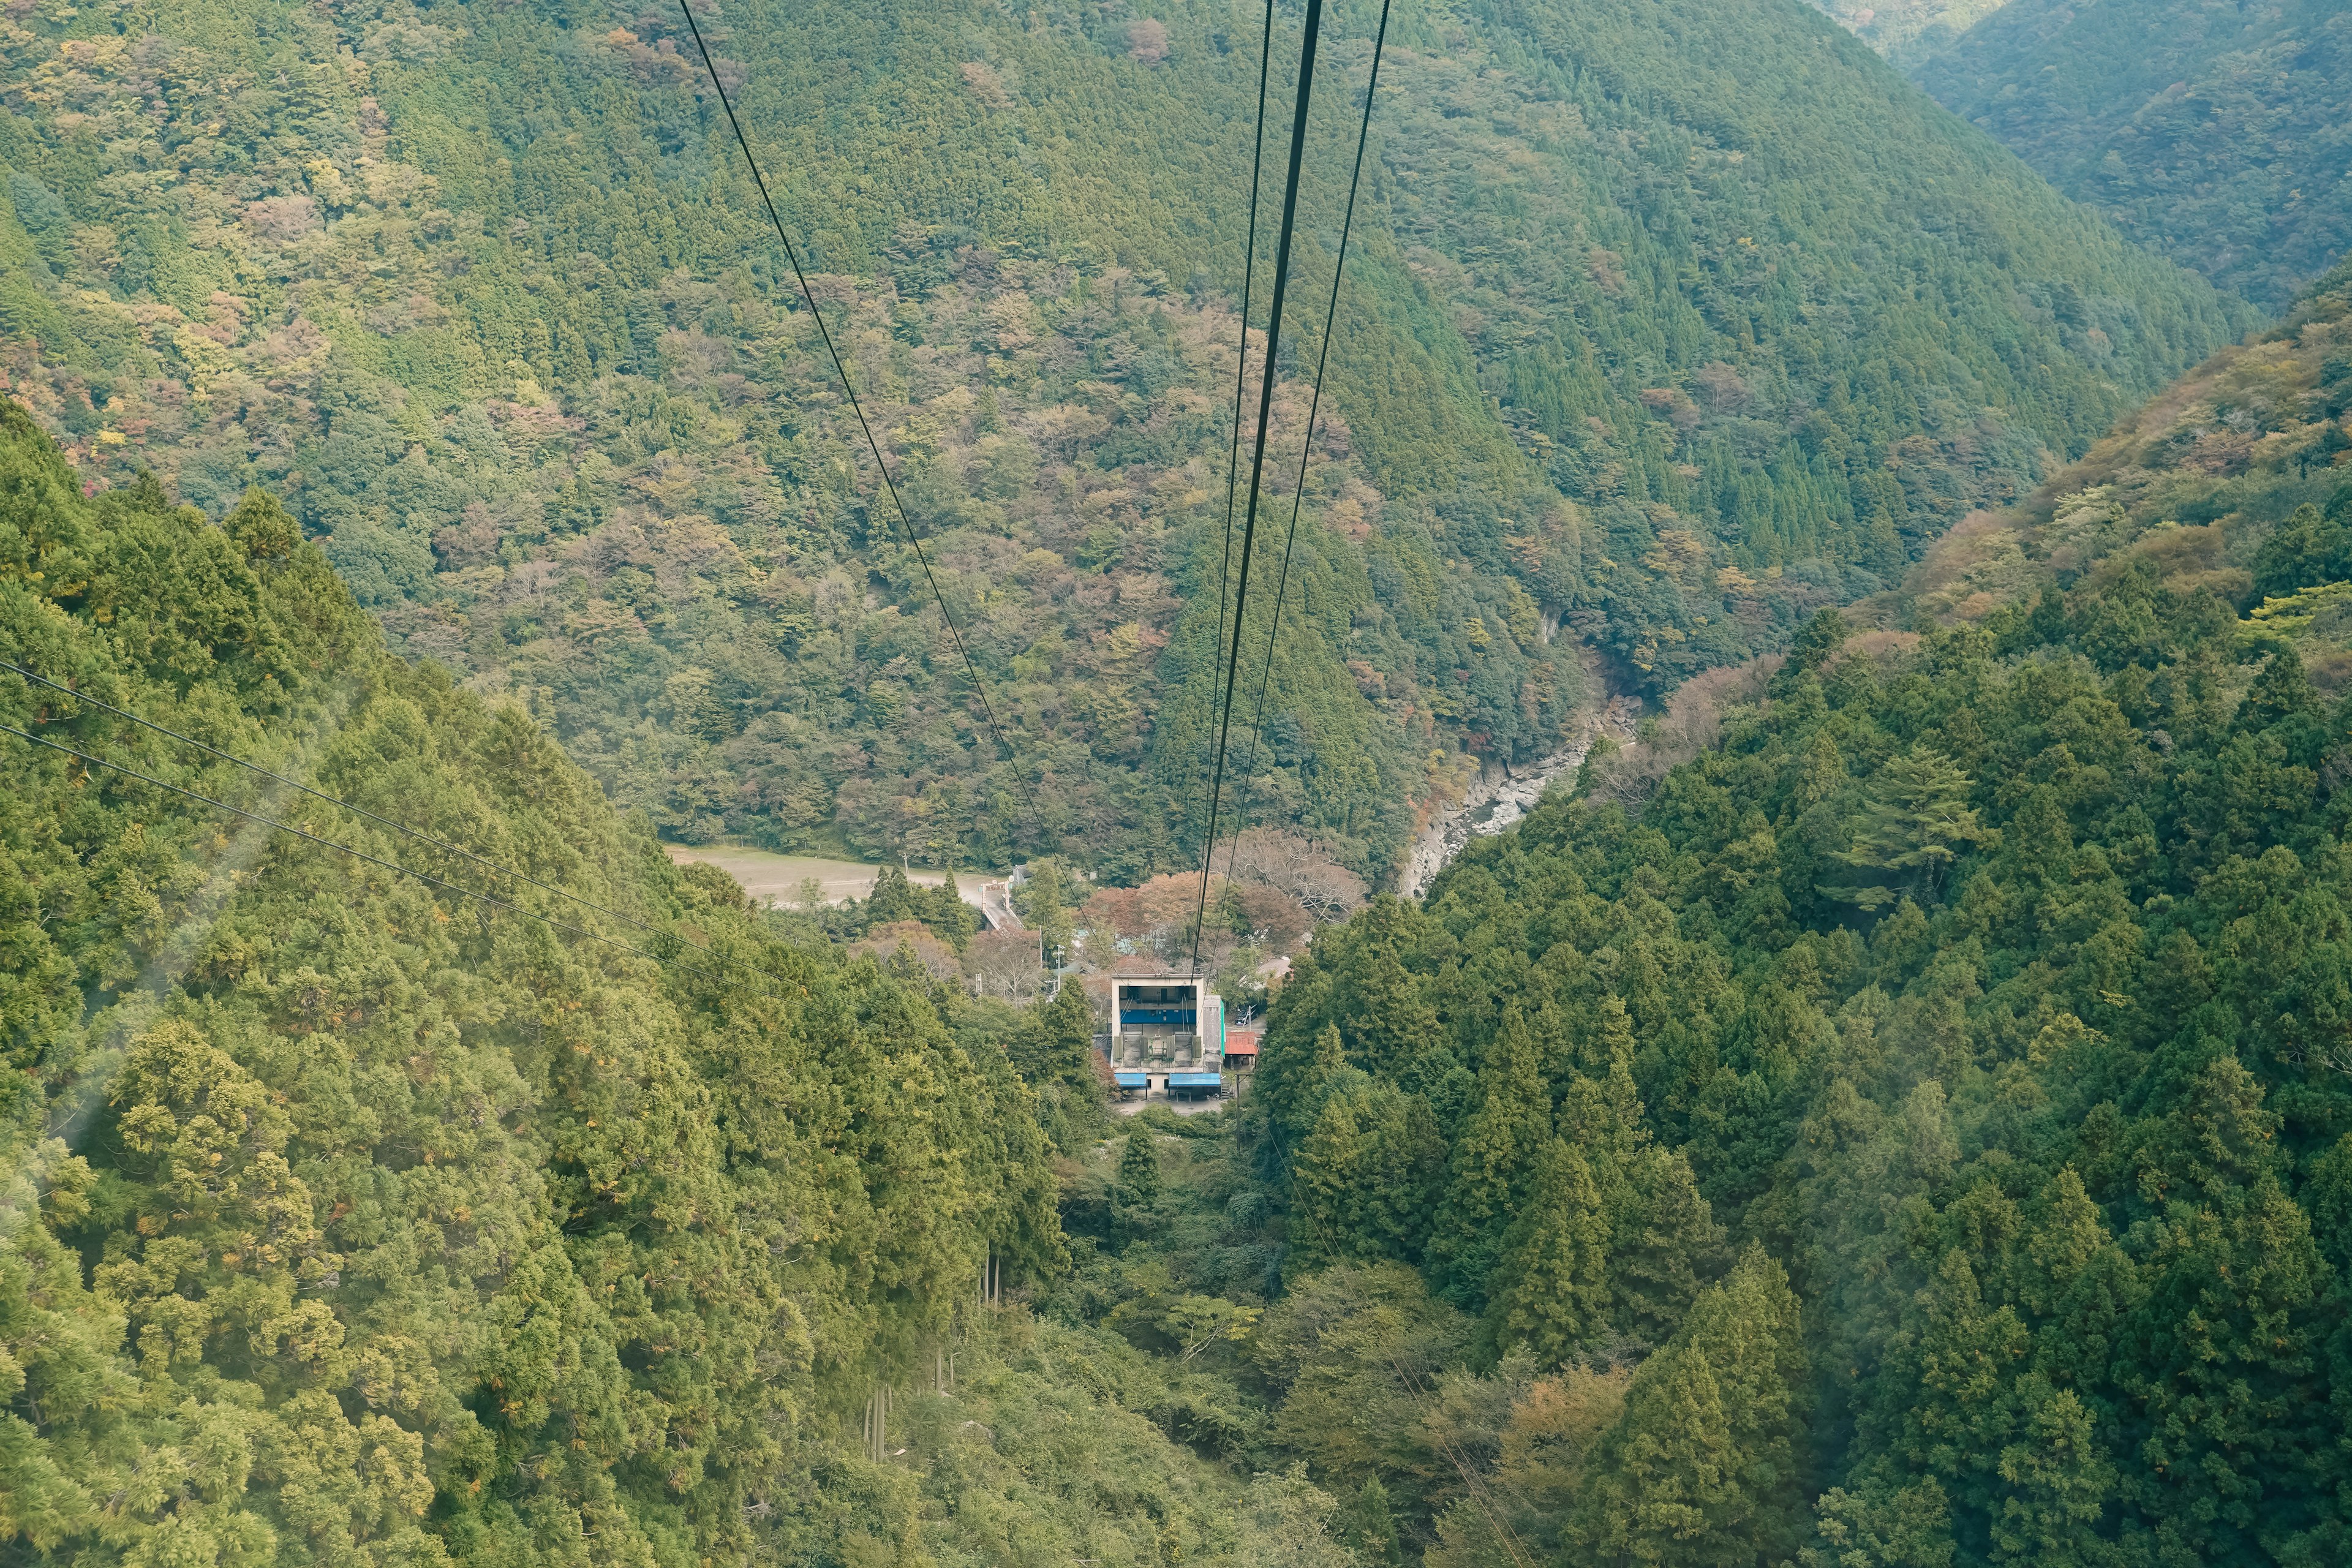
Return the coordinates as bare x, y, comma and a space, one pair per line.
1167, 1033
1240, 1047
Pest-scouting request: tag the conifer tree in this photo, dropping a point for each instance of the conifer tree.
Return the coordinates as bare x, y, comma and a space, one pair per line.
1665, 1242
1553, 1289
1601, 1110
1138, 1169
1948, 1393
1390, 1021
1369, 1525
1046, 896
1059, 1046
1495, 1159
1915, 822
1702, 1471
1366, 1183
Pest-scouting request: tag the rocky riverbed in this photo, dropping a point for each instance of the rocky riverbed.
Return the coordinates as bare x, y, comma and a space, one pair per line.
1500, 797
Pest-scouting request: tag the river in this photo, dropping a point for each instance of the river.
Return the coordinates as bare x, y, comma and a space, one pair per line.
1498, 798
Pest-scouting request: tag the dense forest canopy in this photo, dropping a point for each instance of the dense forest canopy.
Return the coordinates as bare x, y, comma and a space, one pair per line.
349, 1221
1991, 984
1668, 326
2221, 136
1917, 1131
2231, 484
1893, 1112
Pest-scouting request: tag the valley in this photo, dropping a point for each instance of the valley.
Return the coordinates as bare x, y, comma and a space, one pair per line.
1775, 804
1492, 805
569, 436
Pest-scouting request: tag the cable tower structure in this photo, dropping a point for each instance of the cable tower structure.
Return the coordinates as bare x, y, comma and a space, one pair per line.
906, 519
1257, 458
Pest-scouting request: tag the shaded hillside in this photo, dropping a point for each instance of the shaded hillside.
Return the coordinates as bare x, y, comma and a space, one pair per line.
347, 1221
1908, 32
1992, 988
1986, 979
2221, 136
1669, 325
2236, 482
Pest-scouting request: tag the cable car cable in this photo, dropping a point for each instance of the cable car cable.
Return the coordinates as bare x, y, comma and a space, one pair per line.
1314, 406
906, 519
1240, 362
1257, 459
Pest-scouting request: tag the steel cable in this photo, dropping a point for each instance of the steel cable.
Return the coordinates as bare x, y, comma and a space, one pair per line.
906, 519
1314, 406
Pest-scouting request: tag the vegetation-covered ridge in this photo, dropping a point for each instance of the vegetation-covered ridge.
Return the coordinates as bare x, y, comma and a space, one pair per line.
1921, 1136
2230, 485
1667, 326
1994, 986
349, 1222
1908, 32
2218, 136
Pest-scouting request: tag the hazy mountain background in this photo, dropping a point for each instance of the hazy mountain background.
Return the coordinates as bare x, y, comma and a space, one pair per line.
2215, 135
2221, 136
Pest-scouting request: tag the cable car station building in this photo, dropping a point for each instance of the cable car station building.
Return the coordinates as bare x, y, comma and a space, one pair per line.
1167, 1033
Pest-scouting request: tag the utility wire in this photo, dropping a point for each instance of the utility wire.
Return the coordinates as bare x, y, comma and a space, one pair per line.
906, 519
1314, 406
1240, 362
1257, 459
490, 899
1472, 1482
418, 833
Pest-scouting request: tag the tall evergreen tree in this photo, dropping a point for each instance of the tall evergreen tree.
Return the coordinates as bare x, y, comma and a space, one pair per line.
1495, 1161
1058, 1047
1916, 823
1704, 1468
1663, 1244
1366, 1182
1046, 898
1139, 1169
1555, 1292
1389, 1020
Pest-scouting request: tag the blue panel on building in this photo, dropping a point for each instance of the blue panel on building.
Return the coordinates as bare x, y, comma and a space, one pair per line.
1194, 1080
1158, 1016
1131, 1079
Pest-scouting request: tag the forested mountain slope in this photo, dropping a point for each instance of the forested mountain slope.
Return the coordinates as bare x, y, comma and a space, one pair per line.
1908, 32
349, 1222
1921, 1135
1993, 988
2221, 136
1988, 980
1668, 322
2232, 483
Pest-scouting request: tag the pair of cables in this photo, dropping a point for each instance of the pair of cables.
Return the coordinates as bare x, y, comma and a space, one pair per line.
1224, 691
1225, 687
